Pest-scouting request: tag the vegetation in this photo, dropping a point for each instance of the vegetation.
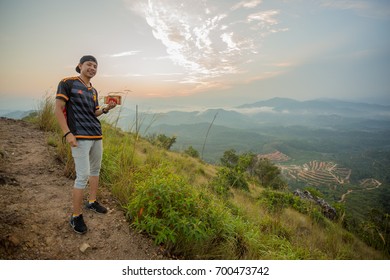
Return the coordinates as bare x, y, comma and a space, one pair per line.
161, 140
192, 152
239, 210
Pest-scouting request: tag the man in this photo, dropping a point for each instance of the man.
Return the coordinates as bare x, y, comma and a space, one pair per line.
76, 110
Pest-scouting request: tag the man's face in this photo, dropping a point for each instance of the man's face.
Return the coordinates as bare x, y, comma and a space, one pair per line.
88, 69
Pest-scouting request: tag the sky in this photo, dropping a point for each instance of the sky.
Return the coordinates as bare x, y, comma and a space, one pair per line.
203, 53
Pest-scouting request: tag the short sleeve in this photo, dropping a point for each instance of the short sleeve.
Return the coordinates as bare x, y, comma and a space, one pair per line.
63, 90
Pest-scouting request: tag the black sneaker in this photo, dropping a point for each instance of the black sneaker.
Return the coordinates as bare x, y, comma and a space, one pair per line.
95, 206
78, 225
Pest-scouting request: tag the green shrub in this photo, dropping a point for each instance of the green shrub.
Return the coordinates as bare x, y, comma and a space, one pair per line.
315, 192
275, 201
192, 152
188, 221
171, 211
162, 141
226, 179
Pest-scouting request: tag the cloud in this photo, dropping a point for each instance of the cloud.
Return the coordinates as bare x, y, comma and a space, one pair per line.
264, 18
209, 39
246, 4
129, 53
256, 110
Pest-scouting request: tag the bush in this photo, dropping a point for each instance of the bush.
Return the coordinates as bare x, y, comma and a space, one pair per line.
230, 178
172, 212
268, 174
275, 201
192, 152
162, 141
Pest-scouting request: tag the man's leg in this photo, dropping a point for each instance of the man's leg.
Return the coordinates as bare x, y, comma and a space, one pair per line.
81, 158
77, 201
95, 157
93, 187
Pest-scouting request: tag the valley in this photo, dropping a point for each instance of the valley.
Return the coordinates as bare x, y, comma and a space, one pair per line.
342, 149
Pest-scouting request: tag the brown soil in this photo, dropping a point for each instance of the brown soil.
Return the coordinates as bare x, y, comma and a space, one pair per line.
35, 207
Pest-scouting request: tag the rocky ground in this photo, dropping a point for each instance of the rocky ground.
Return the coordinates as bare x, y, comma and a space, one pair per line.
35, 207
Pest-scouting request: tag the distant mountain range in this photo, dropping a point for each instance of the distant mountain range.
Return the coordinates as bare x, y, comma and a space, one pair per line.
321, 113
267, 126
331, 114
17, 115
322, 107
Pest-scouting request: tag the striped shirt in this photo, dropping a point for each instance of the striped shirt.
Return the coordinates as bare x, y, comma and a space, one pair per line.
81, 105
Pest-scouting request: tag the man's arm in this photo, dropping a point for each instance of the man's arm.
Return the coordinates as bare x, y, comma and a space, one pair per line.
107, 108
59, 113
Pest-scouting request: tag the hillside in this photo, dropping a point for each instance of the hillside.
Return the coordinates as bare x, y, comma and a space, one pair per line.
354, 137
36, 206
165, 195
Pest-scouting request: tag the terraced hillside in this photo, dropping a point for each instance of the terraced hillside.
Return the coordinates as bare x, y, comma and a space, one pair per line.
276, 156
318, 173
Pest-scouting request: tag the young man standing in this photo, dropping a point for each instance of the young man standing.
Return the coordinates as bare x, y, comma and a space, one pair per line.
76, 110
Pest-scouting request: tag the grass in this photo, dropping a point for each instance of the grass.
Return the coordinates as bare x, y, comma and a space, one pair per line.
169, 197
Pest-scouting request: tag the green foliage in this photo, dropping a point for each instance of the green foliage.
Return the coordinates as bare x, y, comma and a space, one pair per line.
233, 173
313, 191
192, 152
275, 227
268, 174
163, 141
276, 201
177, 215
376, 230
228, 178
340, 211
262, 169
229, 158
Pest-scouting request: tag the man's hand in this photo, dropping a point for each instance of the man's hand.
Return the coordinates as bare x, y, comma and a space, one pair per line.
71, 139
111, 105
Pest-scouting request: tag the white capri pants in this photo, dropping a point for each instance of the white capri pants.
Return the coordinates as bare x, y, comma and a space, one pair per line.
88, 160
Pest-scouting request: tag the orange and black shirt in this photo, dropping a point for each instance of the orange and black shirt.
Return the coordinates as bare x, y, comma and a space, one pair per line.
81, 104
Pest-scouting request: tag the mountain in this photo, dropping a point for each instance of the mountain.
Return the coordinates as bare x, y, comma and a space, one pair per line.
322, 107
326, 113
17, 115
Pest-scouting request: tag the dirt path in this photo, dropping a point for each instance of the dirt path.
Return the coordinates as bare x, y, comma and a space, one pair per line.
344, 195
35, 205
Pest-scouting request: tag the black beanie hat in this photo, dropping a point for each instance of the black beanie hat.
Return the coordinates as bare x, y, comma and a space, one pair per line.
84, 59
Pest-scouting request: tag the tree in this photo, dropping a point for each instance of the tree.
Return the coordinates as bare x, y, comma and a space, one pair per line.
229, 158
192, 152
232, 174
162, 141
268, 174
246, 162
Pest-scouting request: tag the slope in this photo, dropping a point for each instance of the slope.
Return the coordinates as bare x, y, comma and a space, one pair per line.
36, 203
